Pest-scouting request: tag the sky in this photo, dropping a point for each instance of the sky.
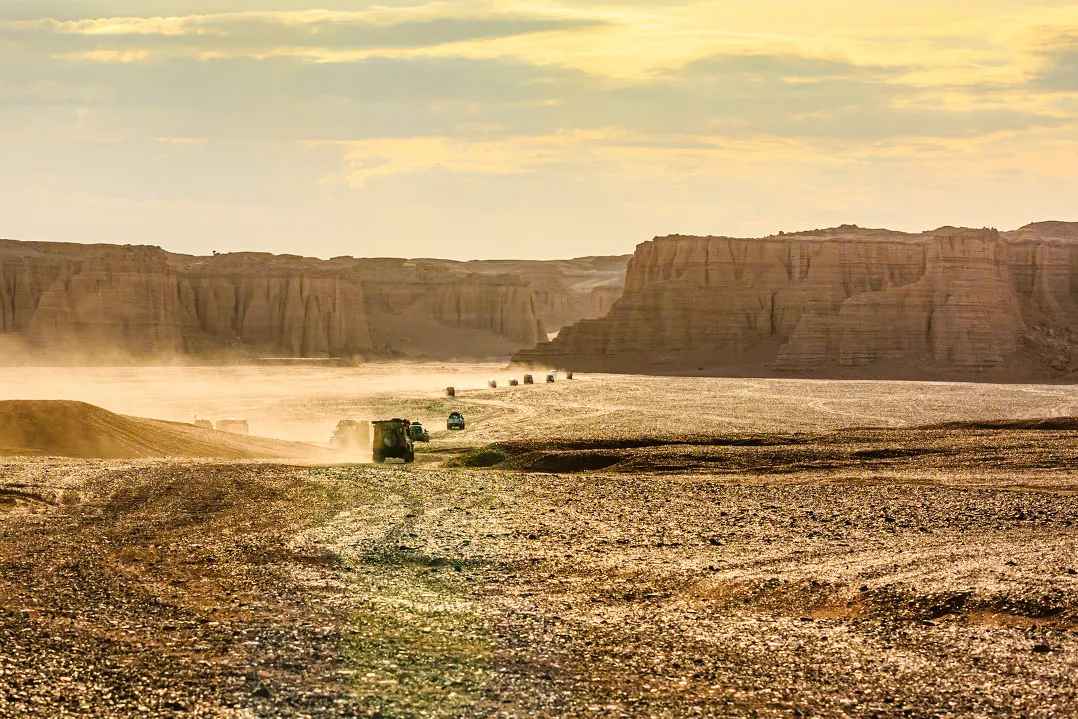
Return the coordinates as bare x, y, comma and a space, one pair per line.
544, 129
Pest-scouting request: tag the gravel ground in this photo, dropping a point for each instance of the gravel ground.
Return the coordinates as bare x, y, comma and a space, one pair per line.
262, 590
891, 573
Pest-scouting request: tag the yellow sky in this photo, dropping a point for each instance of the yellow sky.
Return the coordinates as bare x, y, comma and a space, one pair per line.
657, 108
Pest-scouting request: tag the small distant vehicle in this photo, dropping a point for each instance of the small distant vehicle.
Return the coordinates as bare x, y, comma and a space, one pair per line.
550, 379
353, 435
528, 379
513, 382
450, 391
568, 375
204, 423
418, 432
233, 426
493, 384
455, 421
392, 441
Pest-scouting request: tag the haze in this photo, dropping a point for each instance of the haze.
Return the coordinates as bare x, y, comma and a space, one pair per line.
545, 129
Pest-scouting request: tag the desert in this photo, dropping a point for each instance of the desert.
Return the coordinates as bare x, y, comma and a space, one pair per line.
613, 545
497, 359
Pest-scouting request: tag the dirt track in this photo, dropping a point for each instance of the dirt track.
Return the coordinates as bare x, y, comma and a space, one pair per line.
764, 572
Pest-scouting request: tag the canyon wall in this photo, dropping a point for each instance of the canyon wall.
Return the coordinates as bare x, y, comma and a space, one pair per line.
841, 302
566, 291
142, 301
102, 300
123, 298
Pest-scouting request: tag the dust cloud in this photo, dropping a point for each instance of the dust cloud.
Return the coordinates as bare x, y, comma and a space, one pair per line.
301, 404
304, 404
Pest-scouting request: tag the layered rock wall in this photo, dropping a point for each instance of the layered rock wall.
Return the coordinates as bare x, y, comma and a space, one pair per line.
105, 298
404, 291
565, 291
840, 302
143, 301
275, 308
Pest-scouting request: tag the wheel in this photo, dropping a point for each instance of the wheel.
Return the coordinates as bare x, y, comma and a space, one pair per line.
409, 458
379, 458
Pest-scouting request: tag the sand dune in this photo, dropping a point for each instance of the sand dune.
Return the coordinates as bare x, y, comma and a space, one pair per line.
77, 429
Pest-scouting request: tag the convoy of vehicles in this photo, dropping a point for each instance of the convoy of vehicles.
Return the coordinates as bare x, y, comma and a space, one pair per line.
386, 439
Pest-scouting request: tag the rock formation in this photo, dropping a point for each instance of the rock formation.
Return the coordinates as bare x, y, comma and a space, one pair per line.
143, 301
97, 298
275, 305
841, 302
565, 290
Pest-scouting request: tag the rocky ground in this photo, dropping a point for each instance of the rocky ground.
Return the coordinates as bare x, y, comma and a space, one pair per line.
891, 573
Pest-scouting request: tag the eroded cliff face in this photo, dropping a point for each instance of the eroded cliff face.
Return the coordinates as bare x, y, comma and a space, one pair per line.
95, 299
566, 291
281, 306
142, 301
846, 302
433, 308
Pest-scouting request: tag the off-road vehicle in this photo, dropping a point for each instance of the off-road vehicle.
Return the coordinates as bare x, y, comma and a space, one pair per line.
550, 378
352, 435
528, 379
450, 391
418, 432
492, 383
513, 382
391, 440
455, 421
234, 426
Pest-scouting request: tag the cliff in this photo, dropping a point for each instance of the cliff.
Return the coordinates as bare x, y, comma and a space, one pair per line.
433, 308
842, 302
97, 300
565, 291
271, 305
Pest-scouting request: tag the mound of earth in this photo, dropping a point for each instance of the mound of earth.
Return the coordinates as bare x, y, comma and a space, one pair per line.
76, 429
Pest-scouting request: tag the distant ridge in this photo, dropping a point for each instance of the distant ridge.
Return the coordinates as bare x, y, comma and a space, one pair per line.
96, 302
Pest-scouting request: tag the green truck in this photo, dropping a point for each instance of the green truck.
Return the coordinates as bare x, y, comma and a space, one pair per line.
392, 439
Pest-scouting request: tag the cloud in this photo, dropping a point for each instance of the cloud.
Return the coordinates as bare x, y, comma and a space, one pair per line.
289, 99
274, 104
1060, 72
314, 35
